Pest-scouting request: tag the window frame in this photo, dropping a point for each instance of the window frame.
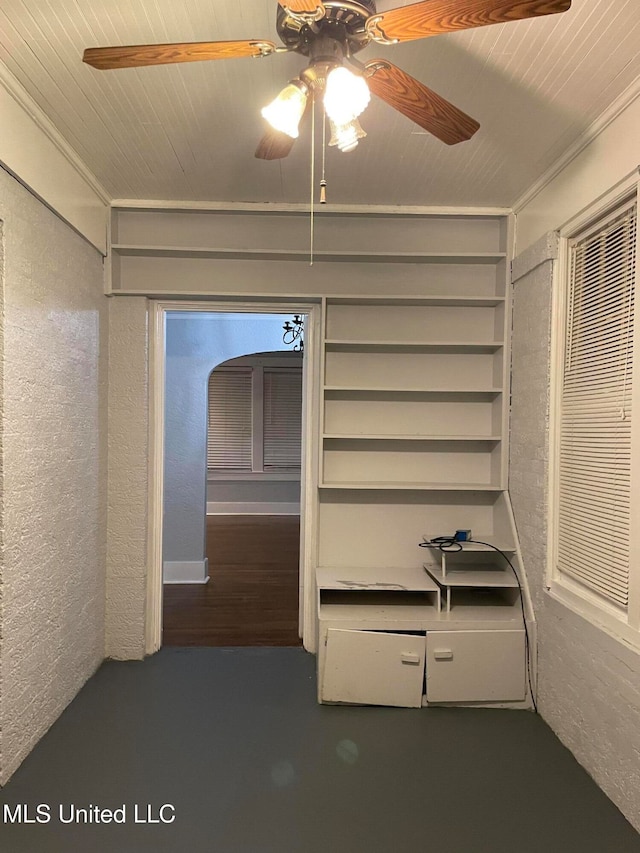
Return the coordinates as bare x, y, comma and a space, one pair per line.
622, 624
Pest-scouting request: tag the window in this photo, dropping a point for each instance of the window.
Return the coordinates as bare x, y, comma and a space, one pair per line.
282, 418
592, 488
229, 437
255, 419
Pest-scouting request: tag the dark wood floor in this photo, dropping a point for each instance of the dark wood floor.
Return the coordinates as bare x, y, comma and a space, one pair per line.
252, 595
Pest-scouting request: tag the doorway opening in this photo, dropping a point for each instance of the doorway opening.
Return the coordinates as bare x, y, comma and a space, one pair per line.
236, 476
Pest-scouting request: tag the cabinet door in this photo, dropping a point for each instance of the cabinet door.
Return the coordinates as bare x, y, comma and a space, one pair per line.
475, 666
372, 668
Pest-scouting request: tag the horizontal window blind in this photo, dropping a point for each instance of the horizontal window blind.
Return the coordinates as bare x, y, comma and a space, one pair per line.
229, 436
282, 418
595, 413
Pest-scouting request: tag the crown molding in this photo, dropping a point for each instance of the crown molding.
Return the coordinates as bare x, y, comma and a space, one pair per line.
17, 91
609, 115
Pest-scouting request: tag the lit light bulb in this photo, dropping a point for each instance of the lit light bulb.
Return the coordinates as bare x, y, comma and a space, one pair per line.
346, 136
346, 95
285, 112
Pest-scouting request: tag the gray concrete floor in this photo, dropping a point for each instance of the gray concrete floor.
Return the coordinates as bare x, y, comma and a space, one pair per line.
234, 740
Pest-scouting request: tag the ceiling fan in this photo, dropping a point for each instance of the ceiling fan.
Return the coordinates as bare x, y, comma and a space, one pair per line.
330, 33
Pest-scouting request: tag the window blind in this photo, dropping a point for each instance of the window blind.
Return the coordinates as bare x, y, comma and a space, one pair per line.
595, 420
229, 435
282, 418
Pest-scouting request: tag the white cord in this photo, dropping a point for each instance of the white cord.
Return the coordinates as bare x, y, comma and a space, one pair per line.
313, 160
323, 182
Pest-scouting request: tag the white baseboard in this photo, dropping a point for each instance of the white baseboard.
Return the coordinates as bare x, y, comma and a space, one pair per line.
252, 508
185, 571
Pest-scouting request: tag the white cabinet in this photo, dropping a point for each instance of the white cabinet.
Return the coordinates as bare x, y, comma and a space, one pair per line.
378, 637
475, 666
373, 668
385, 668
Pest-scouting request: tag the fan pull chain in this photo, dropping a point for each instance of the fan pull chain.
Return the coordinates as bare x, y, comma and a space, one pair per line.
313, 160
323, 182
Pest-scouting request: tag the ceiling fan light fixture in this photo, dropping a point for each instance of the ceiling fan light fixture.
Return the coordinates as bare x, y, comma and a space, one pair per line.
346, 95
284, 113
346, 136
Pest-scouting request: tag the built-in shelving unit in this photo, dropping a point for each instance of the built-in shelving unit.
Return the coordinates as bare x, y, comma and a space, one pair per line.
403, 381
360, 258
412, 427
415, 442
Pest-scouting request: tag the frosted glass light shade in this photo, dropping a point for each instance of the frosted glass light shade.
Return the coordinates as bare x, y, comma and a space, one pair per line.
346, 136
285, 112
346, 95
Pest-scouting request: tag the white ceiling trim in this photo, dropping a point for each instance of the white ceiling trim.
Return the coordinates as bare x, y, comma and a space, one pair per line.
609, 115
41, 120
36, 154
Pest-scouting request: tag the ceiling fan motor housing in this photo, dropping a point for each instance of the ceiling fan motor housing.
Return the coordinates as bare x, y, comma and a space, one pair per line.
343, 23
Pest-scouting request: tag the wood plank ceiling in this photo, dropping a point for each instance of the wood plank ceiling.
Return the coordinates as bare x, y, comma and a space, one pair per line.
189, 131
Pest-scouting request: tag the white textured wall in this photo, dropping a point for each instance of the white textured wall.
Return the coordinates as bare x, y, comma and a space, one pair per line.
53, 453
128, 478
588, 683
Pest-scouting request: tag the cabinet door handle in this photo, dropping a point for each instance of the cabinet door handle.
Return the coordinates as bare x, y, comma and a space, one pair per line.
405, 657
442, 654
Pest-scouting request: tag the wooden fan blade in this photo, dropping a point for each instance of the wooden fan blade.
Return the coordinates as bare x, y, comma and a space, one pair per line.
419, 103
135, 56
274, 145
301, 5
443, 16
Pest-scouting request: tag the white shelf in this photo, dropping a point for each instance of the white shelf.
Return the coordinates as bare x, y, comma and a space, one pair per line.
420, 618
411, 617
490, 439
127, 250
425, 392
485, 616
376, 594
483, 578
415, 346
443, 301
475, 546
411, 487
374, 577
